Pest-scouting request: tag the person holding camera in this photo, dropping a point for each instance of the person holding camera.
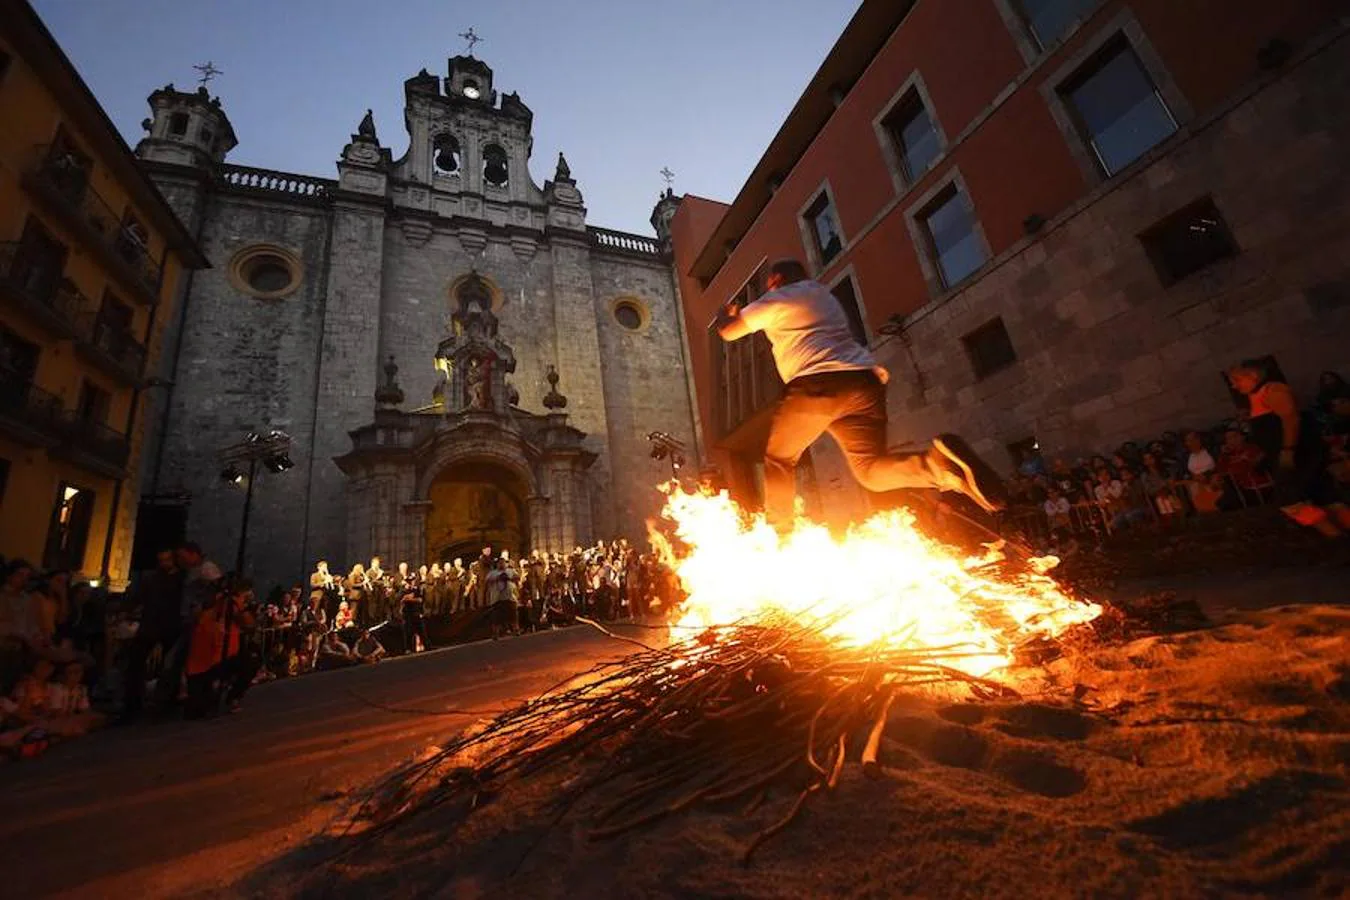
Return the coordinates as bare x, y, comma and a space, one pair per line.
219, 667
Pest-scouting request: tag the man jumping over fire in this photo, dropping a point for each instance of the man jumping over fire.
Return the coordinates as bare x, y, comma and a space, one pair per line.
834, 384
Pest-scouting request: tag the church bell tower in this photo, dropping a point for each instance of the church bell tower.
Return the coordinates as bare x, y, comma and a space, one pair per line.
186, 129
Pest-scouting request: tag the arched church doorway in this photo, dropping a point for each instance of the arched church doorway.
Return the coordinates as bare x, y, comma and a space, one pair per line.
476, 505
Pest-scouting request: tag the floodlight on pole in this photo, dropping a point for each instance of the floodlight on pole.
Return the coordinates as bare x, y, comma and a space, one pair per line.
240, 462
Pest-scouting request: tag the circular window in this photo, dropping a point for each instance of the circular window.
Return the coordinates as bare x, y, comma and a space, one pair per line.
265, 271
267, 275
630, 314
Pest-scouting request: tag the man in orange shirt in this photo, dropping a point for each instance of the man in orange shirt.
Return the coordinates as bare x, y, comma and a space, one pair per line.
1292, 451
216, 667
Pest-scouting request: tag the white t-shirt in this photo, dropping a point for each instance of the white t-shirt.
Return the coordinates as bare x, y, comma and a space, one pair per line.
809, 332
1200, 463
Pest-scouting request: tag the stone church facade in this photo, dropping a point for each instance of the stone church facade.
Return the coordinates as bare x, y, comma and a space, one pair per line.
458, 357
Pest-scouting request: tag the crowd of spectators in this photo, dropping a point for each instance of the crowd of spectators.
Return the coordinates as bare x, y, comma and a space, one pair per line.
188, 639
52, 640
1060, 505
513, 596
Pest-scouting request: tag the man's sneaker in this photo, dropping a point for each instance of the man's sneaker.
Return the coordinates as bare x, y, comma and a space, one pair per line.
968, 473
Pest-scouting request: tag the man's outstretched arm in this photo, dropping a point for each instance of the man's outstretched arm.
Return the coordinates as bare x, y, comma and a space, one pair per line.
730, 325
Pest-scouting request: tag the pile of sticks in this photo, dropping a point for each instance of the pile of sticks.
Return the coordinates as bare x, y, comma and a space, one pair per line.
719, 719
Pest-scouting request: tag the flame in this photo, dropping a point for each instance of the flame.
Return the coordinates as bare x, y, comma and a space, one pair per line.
882, 582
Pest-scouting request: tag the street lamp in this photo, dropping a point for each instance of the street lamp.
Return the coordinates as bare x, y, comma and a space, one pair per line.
239, 464
666, 447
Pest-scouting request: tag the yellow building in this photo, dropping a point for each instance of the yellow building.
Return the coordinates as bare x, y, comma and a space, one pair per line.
89, 257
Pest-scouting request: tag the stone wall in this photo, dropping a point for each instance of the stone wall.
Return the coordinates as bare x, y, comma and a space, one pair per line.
577, 350
645, 388
247, 364
347, 369
188, 201
1105, 351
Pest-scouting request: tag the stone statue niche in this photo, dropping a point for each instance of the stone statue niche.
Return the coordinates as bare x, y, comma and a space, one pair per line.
474, 360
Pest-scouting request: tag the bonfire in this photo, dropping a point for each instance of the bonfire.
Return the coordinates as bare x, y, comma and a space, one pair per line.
778, 670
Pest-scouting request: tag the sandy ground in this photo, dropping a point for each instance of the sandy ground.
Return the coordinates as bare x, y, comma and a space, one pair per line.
1211, 762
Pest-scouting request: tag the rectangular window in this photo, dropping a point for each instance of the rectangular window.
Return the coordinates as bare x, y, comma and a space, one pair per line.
115, 315
68, 532
989, 348
745, 377
68, 167
1117, 107
178, 124
132, 239
1048, 20
94, 403
1188, 240
950, 226
825, 231
39, 262
848, 299
18, 358
916, 140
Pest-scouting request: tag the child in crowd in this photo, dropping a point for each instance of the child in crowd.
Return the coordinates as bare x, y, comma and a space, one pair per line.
68, 704
1057, 509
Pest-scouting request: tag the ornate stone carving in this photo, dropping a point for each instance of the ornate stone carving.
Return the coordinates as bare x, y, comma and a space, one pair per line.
473, 358
367, 126
389, 395
476, 388
416, 231
554, 401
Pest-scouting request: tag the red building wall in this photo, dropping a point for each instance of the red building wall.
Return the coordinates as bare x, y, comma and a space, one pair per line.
1015, 162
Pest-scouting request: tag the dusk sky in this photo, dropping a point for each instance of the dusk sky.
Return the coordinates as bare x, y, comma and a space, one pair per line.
622, 87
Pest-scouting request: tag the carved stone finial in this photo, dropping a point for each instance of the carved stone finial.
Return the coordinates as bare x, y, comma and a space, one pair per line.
564, 171
554, 400
367, 126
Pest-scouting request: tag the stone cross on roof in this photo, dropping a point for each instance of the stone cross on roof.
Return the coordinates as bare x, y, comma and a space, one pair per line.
471, 38
209, 71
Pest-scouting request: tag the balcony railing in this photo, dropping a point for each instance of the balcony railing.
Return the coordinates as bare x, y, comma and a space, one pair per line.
624, 242
93, 445
267, 181
36, 417
111, 346
38, 288
59, 180
27, 412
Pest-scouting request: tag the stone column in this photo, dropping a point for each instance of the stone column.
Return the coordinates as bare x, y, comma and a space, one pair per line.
581, 508
541, 535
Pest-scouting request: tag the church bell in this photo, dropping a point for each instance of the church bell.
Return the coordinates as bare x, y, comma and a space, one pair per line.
494, 170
